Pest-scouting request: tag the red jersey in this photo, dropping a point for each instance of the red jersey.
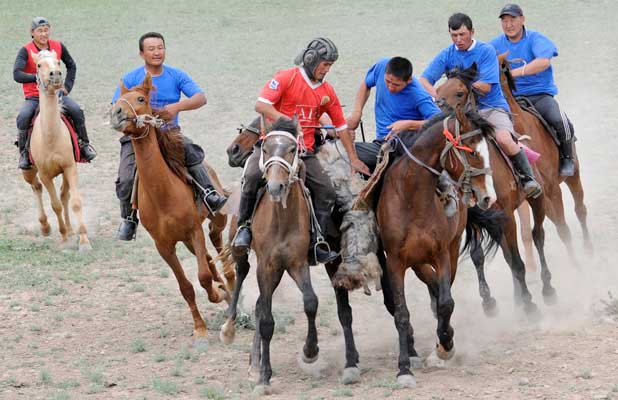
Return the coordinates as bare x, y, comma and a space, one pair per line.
31, 89
292, 92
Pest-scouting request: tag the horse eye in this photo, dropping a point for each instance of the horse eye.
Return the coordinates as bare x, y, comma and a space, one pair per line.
460, 94
38, 65
140, 99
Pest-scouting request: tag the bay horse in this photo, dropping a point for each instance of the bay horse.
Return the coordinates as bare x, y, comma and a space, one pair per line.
51, 149
166, 201
541, 140
457, 91
414, 229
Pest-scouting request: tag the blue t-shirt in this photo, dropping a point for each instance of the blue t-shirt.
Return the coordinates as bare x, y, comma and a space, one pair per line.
167, 86
531, 45
487, 65
412, 103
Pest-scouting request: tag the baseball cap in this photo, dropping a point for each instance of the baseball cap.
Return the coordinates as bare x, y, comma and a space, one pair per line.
39, 21
511, 9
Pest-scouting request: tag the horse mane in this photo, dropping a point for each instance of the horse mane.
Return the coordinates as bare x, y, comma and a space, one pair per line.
467, 76
477, 120
506, 68
286, 125
172, 149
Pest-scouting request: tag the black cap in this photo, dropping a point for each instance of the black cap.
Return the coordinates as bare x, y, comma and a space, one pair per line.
511, 9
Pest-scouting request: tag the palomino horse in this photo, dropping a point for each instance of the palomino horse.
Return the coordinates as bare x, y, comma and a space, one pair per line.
455, 92
167, 206
527, 123
414, 229
52, 153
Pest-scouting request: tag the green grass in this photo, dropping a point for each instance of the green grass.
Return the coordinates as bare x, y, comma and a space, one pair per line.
138, 346
68, 384
45, 377
212, 393
343, 392
93, 375
165, 387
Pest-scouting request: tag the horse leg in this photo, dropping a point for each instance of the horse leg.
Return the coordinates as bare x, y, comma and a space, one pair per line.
445, 348
268, 280
56, 206
396, 272
556, 214
167, 251
310, 301
216, 293
538, 233
30, 176
523, 211
65, 194
478, 259
76, 205
216, 226
518, 269
577, 191
228, 329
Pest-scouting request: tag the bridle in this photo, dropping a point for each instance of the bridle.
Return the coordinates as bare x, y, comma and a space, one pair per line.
292, 168
40, 83
142, 120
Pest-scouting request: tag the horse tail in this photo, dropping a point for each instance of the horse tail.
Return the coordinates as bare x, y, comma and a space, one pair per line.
484, 228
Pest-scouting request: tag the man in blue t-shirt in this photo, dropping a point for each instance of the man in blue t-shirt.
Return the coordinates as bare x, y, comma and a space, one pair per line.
169, 83
465, 51
534, 78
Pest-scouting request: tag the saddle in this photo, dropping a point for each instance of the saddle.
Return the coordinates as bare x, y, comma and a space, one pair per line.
69, 124
527, 106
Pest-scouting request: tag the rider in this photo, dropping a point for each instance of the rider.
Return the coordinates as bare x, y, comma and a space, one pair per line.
492, 105
301, 91
24, 72
535, 79
170, 83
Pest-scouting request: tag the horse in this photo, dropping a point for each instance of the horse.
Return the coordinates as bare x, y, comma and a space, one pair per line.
166, 200
456, 92
414, 229
52, 152
542, 142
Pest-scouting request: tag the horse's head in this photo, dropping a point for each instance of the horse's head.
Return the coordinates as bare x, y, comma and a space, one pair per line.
457, 88
463, 156
132, 114
242, 146
280, 159
48, 72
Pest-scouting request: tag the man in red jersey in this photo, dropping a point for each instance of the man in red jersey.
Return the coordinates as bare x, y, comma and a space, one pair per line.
24, 72
301, 91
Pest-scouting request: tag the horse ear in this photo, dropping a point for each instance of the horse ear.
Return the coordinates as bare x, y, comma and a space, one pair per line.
265, 126
502, 57
473, 68
147, 83
123, 88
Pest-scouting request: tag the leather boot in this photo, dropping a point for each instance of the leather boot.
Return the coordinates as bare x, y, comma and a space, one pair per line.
86, 151
128, 227
23, 145
319, 250
522, 166
449, 194
242, 240
567, 165
213, 200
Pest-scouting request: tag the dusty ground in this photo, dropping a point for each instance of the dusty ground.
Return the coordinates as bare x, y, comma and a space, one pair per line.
112, 324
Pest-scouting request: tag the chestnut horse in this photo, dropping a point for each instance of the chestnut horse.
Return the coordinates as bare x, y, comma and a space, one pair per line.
414, 229
167, 206
52, 153
455, 92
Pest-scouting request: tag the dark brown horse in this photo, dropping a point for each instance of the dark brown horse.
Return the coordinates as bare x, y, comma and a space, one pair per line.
456, 92
414, 229
167, 206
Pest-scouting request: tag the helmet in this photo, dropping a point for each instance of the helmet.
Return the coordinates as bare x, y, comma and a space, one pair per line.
39, 21
318, 50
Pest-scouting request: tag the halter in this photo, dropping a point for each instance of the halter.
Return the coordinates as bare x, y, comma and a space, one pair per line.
143, 119
249, 128
291, 168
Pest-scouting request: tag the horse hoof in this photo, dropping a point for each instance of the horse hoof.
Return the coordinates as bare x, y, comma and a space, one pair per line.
262, 390
350, 375
406, 381
85, 248
416, 362
228, 332
310, 360
443, 354
46, 230
490, 307
549, 296
201, 344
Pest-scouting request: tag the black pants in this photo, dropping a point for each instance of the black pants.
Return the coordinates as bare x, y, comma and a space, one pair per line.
317, 181
549, 108
71, 109
194, 155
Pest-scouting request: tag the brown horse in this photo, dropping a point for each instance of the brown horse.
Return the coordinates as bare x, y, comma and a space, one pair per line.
52, 153
167, 206
542, 142
414, 229
456, 92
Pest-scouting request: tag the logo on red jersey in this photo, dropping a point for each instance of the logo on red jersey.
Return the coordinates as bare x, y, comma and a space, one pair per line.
274, 84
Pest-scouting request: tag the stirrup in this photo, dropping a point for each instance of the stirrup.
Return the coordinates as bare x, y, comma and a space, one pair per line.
129, 220
208, 192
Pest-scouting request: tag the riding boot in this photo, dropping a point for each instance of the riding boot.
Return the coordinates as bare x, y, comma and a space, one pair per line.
128, 226
567, 165
319, 250
522, 166
242, 240
447, 192
213, 200
23, 145
86, 151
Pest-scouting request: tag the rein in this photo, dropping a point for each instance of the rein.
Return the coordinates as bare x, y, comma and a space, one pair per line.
142, 120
